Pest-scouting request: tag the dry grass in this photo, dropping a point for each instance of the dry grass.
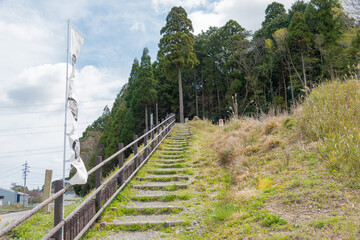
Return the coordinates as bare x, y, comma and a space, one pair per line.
330, 116
280, 185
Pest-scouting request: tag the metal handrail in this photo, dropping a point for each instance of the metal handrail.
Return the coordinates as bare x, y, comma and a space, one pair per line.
68, 187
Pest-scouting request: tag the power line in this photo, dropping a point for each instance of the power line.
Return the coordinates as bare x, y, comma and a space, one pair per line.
36, 112
9, 170
30, 133
31, 150
47, 168
13, 174
46, 126
51, 104
34, 154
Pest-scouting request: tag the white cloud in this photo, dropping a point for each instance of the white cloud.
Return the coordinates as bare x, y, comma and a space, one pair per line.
138, 27
164, 6
249, 14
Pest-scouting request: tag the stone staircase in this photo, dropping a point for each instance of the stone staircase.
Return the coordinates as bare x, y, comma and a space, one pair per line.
157, 197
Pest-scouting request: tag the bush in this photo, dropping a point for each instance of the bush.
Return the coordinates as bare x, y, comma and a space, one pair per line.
331, 115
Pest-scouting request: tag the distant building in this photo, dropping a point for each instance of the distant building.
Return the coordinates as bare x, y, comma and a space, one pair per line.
13, 197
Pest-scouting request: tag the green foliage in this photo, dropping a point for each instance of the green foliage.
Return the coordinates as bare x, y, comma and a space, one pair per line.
176, 45
299, 33
222, 211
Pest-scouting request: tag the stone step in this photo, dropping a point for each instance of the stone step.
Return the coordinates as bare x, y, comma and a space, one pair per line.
173, 165
164, 171
177, 143
143, 220
151, 194
168, 152
167, 161
166, 186
148, 208
174, 149
162, 178
145, 235
170, 156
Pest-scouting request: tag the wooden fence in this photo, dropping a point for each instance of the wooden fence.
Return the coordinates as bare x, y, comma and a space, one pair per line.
80, 220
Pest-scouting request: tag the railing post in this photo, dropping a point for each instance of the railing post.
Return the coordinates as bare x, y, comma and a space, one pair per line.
157, 117
121, 163
97, 184
135, 151
152, 138
162, 128
58, 209
145, 143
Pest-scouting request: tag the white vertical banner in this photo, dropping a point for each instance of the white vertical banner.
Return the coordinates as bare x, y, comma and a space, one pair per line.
80, 176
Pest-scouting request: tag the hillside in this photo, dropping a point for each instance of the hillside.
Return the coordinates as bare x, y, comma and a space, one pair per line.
293, 176
287, 176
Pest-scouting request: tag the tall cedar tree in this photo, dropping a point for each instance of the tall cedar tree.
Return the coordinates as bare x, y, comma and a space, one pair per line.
144, 91
176, 47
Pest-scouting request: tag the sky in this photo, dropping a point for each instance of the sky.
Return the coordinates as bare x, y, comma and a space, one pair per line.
33, 66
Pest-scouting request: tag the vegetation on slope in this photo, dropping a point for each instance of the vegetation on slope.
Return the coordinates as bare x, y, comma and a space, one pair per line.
282, 185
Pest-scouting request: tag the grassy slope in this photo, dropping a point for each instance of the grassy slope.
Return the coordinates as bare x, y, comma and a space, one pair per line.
282, 183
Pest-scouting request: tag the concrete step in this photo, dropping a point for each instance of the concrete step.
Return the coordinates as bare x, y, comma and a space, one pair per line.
162, 178
176, 144
155, 207
173, 165
167, 161
168, 152
170, 156
143, 220
174, 149
164, 171
151, 193
145, 235
167, 186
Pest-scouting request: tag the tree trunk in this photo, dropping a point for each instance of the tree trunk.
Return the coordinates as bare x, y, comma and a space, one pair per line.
218, 98
285, 88
146, 118
291, 85
203, 94
332, 74
181, 102
304, 71
196, 96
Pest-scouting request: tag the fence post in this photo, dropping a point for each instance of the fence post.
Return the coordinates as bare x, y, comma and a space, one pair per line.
58, 209
162, 128
157, 117
97, 184
121, 163
145, 143
135, 151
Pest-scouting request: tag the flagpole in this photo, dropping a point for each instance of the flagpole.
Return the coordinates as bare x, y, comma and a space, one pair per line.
65, 122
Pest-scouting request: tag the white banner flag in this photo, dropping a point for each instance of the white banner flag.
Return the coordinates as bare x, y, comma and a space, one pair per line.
80, 176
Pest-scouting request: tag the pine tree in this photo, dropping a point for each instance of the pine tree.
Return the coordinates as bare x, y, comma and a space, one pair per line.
176, 47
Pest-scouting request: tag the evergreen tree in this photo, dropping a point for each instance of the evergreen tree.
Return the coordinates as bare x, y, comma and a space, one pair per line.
176, 47
144, 87
300, 39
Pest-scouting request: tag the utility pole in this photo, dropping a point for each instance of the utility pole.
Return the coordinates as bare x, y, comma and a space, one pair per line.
25, 173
